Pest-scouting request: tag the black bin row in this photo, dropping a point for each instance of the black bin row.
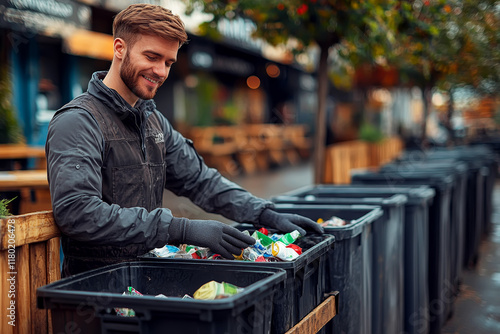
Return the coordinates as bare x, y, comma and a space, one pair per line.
413, 226
459, 215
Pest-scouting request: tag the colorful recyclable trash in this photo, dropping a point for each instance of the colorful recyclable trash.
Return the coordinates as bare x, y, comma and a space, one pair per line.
215, 290
332, 222
267, 248
128, 312
209, 291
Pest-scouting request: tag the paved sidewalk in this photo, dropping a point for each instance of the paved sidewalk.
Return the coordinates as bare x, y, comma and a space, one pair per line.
477, 308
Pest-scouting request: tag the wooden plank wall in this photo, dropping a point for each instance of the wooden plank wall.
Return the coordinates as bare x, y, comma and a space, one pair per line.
35, 239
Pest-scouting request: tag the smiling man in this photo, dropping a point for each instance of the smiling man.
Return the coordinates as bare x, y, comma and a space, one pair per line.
110, 154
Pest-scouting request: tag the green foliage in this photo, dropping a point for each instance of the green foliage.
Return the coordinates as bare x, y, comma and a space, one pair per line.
451, 42
10, 131
4, 210
370, 133
325, 23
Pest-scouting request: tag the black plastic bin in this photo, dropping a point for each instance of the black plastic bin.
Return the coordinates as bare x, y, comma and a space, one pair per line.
481, 156
490, 152
304, 285
458, 170
476, 195
387, 260
85, 302
441, 294
415, 315
349, 263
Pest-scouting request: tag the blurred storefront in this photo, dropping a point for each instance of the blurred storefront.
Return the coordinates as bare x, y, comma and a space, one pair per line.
54, 46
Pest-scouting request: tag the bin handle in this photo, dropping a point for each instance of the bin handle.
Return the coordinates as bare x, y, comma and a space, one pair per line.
107, 317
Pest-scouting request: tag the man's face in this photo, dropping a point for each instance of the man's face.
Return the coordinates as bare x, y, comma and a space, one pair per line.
146, 65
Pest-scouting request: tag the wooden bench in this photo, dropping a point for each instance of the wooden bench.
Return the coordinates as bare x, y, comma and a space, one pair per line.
217, 146
295, 134
251, 147
30, 258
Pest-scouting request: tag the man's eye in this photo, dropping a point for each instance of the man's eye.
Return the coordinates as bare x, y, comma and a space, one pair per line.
151, 58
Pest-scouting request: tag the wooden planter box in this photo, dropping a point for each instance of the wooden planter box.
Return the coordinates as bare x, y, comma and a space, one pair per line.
342, 158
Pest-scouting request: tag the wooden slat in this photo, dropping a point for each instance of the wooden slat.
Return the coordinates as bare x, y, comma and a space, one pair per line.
316, 319
38, 273
4, 297
29, 228
53, 269
23, 293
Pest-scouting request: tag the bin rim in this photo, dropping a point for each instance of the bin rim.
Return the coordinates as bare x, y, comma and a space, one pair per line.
312, 253
420, 191
56, 292
386, 201
457, 166
442, 180
373, 213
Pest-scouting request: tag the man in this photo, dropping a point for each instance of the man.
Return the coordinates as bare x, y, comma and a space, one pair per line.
110, 154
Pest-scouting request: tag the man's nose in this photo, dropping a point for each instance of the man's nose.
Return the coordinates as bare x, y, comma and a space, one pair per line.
161, 71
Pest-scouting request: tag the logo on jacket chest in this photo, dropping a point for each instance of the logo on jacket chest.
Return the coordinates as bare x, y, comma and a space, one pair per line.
159, 138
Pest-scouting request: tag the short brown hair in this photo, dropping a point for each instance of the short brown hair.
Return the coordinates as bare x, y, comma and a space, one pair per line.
148, 19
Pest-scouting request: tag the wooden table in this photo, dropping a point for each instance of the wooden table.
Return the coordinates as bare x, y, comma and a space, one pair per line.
19, 152
33, 188
22, 179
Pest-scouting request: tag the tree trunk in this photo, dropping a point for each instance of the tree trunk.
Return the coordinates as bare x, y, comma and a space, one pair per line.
320, 137
449, 115
426, 91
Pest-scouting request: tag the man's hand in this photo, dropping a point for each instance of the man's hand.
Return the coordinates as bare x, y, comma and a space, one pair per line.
219, 237
287, 222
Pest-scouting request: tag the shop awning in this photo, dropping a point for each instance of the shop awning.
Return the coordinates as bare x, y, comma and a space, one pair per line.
89, 44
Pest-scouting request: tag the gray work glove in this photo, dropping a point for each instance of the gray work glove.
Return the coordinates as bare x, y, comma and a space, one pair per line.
219, 237
287, 222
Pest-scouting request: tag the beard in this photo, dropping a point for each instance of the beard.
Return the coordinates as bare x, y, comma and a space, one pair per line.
131, 79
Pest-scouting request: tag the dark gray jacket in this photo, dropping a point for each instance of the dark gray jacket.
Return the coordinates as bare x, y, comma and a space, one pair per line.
94, 185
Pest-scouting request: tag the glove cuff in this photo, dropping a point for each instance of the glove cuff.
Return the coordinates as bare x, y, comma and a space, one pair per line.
177, 230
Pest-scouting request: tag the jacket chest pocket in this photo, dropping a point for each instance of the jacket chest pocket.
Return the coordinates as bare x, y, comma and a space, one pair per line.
138, 185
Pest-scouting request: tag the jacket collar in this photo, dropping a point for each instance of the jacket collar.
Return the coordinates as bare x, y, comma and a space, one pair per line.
115, 101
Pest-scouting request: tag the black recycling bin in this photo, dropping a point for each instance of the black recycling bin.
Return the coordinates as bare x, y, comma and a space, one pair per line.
87, 302
387, 259
458, 170
415, 274
441, 295
489, 149
349, 263
476, 196
304, 285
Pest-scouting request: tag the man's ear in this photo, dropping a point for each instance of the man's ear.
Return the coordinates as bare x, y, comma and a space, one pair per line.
119, 48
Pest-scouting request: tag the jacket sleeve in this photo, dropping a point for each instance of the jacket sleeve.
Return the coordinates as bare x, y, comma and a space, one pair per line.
187, 175
74, 151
